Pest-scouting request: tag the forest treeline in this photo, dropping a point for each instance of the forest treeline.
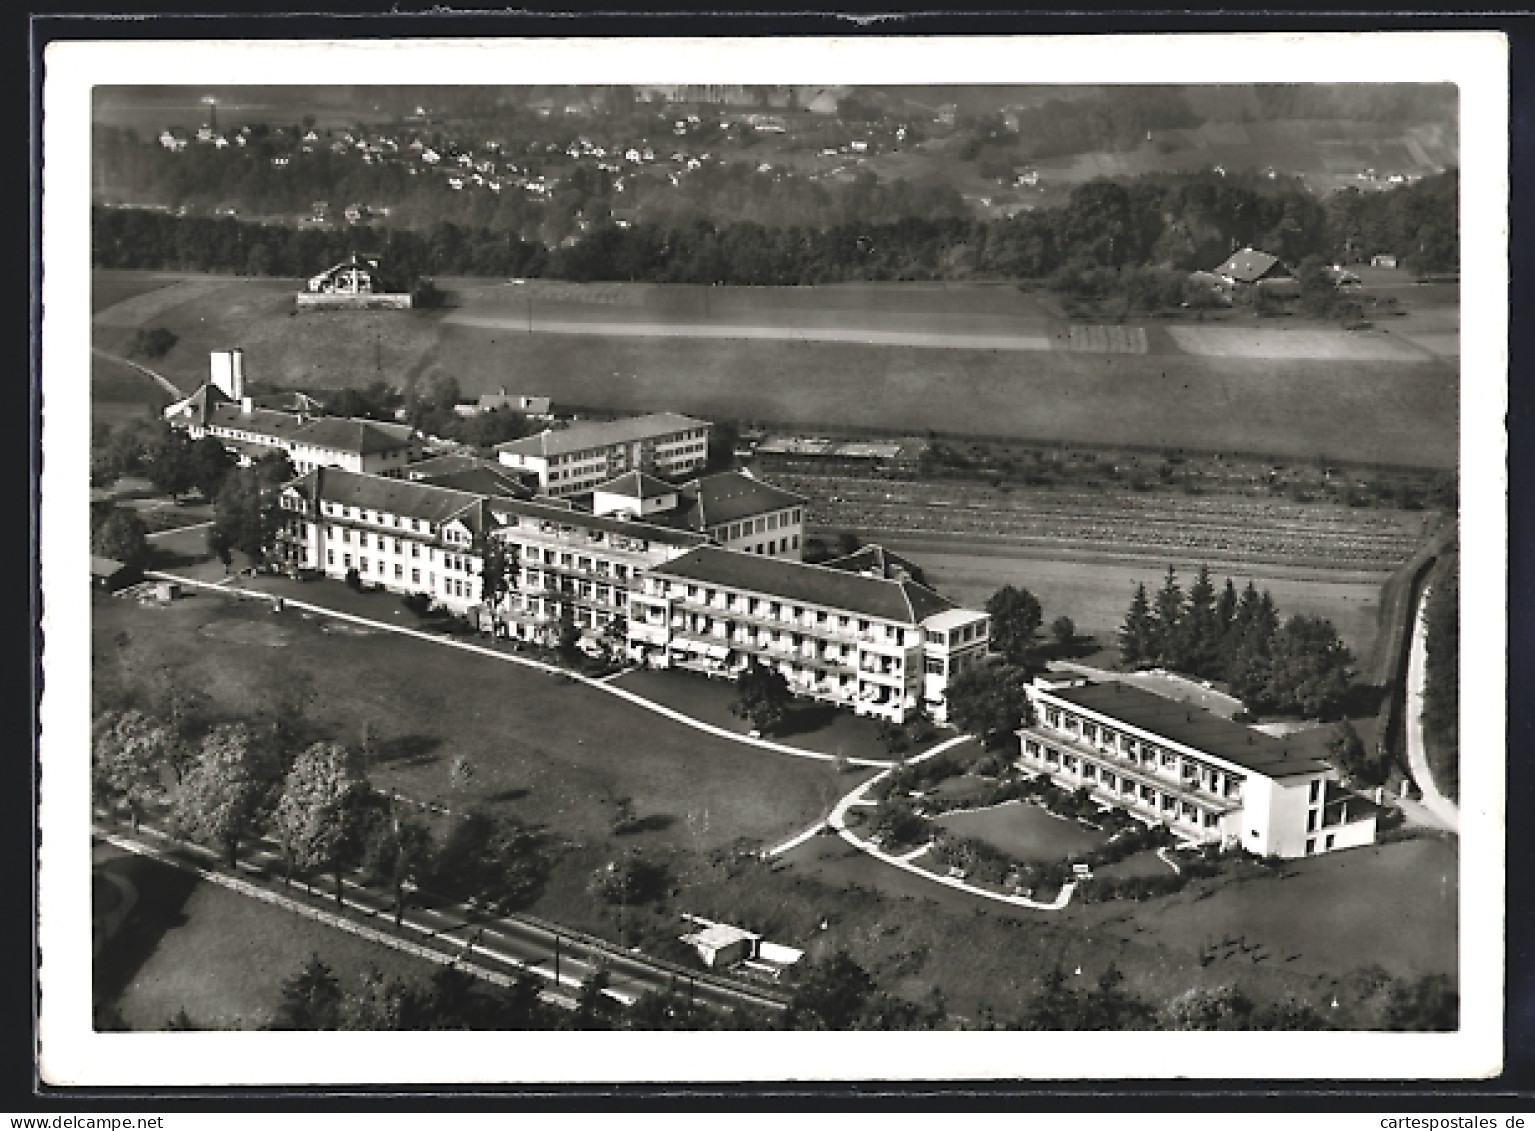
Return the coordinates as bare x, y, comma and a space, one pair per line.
1146, 225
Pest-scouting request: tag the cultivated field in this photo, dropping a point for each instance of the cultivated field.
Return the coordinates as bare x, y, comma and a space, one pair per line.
1370, 411
1213, 528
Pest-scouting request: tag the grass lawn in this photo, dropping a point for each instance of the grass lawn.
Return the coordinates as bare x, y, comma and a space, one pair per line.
1369, 411
810, 726
553, 754
119, 393
1139, 865
1024, 832
221, 956
110, 287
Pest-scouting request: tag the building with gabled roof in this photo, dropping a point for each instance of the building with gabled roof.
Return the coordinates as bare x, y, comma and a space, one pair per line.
876, 561
882, 647
1208, 779
1249, 267
575, 459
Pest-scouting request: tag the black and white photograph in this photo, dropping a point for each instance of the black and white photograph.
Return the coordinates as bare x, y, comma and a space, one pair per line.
663, 560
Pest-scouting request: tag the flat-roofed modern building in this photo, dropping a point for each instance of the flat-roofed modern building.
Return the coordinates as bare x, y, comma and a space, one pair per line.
1207, 778
573, 460
884, 648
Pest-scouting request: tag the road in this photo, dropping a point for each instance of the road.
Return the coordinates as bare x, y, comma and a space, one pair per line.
144, 369
1444, 811
496, 947
859, 336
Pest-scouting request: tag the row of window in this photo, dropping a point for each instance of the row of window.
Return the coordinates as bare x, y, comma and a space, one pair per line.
735, 531
380, 518
451, 586
1190, 770
1123, 786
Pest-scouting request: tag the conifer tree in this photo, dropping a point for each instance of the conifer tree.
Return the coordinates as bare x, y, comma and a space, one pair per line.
1166, 619
1135, 634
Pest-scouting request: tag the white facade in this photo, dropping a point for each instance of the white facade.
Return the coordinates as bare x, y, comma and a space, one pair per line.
1263, 803
570, 461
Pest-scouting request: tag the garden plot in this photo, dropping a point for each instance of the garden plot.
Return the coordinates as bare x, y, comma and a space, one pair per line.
1298, 344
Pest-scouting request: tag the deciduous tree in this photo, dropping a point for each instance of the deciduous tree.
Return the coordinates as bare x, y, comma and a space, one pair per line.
121, 535
988, 701
1015, 619
762, 695
130, 756
319, 816
227, 791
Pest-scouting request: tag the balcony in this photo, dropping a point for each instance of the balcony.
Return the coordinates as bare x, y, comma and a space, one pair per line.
1163, 785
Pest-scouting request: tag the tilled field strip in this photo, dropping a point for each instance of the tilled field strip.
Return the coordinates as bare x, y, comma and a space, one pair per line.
1364, 539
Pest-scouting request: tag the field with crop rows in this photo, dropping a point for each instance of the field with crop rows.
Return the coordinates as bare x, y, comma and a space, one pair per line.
1224, 528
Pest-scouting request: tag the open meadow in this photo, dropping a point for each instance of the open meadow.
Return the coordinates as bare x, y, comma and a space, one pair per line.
1338, 407
221, 956
550, 753
1095, 593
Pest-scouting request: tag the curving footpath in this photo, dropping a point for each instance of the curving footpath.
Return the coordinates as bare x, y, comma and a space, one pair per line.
1444, 811
838, 821
539, 665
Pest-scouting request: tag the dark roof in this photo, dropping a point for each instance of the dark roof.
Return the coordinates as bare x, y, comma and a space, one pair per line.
447, 464
338, 433
636, 485
902, 601
1192, 726
396, 496
1249, 265
364, 437
731, 496
561, 512
599, 434
481, 481
106, 567
876, 559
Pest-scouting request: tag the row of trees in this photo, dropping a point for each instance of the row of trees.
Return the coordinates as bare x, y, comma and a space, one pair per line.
233, 784
1174, 223
1300, 665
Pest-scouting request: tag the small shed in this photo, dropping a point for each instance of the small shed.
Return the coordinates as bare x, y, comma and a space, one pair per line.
720, 944
111, 575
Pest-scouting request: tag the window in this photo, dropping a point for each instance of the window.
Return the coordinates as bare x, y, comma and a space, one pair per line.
415, 577
1316, 790
796, 541
399, 571
415, 549
363, 564
397, 545
1310, 846
772, 522
330, 557
797, 518
1329, 842
1311, 821
346, 560
346, 535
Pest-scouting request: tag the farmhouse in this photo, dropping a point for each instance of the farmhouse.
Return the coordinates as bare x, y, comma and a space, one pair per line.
355, 282
1207, 778
884, 648
576, 459
1251, 268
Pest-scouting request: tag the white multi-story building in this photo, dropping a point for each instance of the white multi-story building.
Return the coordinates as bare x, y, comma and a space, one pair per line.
883, 647
569, 461
734, 510
1207, 778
